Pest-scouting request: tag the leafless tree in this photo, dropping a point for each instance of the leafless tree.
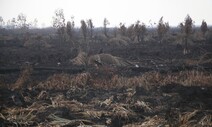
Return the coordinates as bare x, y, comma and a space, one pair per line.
35, 23
70, 28
1, 22
162, 28
186, 28
105, 23
140, 31
84, 29
22, 21
130, 32
204, 27
90, 27
122, 29
11, 24
137, 30
181, 26
143, 31
115, 31
59, 23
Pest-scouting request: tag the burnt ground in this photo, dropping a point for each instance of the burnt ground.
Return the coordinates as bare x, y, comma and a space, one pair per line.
39, 97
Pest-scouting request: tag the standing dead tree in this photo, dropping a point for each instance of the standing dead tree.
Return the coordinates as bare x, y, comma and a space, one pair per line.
11, 24
23, 26
186, 29
84, 29
130, 32
140, 31
115, 31
162, 29
59, 24
105, 23
70, 28
91, 27
22, 22
1, 22
122, 29
204, 27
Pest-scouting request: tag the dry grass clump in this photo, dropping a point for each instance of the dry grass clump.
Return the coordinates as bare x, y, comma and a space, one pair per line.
64, 81
58, 122
154, 121
185, 119
188, 119
23, 78
73, 105
205, 59
122, 111
18, 116
146, 81
150, 79
187, 78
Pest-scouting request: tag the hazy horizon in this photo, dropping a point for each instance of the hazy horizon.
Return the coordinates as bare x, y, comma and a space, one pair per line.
116, 11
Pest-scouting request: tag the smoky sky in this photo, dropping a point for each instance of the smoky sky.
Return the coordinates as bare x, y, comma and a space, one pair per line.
116, 11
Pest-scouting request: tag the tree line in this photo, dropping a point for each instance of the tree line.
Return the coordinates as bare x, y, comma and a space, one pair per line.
135, 31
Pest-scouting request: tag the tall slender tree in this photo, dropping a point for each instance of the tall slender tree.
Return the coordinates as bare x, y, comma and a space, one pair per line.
59, 24
70, 28
84, 29
90, 27
1, 22
105, 23
162, 28
140, 31
204, 27
186, 28
122, 29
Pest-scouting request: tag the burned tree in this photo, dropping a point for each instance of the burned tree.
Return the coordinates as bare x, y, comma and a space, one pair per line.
84, 29
143, 31
162, 29
186, 28
91, 27
1, 22
105, 23
130, 32
59, 24
21, 21
140, 31
115, 31
204, 27
122, 29
11, 24
70, 28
